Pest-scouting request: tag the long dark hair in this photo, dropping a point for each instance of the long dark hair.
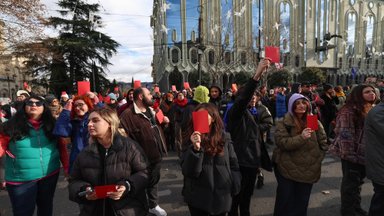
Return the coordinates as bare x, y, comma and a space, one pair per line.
301, 123
356, 102
213, 142
17, 127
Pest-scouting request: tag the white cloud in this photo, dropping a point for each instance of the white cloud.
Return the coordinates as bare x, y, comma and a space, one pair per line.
127, 22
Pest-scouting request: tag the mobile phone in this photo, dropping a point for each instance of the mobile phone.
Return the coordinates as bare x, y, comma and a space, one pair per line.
83, 193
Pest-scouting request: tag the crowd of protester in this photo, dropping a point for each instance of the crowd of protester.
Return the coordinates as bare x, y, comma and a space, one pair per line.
120, 140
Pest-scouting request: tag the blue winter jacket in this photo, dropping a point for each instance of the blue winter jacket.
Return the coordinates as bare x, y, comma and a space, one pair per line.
76, 129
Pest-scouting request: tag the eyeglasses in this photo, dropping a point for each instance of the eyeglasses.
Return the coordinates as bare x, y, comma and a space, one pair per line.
78, 105
36, 103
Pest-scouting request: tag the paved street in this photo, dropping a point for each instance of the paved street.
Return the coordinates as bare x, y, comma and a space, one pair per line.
262, 204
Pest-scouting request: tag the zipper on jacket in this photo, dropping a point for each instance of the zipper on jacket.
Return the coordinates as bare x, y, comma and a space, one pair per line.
41, 152
105, 176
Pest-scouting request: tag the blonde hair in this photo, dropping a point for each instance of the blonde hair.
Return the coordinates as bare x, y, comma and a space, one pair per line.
110, 116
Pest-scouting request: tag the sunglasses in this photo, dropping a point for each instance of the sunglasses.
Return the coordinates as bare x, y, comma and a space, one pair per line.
36, 103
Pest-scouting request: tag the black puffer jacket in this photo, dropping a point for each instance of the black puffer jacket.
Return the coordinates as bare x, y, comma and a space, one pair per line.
207, 180
124, 161
245, 131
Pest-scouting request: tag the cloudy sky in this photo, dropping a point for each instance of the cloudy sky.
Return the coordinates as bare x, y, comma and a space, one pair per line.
127, 22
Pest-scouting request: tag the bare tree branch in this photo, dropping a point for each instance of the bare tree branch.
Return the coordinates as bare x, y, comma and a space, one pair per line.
20, 21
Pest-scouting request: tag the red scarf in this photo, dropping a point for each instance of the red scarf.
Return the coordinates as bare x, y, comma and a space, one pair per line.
35, 123
181, 103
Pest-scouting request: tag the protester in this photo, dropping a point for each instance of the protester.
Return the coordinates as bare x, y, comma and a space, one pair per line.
201, 95
64, 98
374, 155
54, 105
209, 166
109, 159
281, 107
72, 123
328, 110
111, 101
264, 119
340, 96
180, 103
141, 125
349, 145
129, 99
298, 155
246, 137
215, 97
296, 88
21, 96
32, 164
169, 133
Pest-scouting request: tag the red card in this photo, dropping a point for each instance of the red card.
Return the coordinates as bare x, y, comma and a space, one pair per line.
137, 84
107, 100
200, 121
25, 84
116, 89
160, 116
273, 53
156, 89
174, 88
312, 122
186, 85
234, 87
83, 87
101, 191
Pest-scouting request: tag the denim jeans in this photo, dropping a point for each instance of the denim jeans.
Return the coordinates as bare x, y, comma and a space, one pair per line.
26, 196
292, 197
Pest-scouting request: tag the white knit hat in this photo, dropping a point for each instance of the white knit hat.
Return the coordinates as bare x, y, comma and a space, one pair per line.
64, 94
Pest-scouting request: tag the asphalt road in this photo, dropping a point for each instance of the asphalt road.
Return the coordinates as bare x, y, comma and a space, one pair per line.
321, 203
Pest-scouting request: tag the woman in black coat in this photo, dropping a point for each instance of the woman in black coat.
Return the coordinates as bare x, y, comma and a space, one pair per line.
210, 168
110, 159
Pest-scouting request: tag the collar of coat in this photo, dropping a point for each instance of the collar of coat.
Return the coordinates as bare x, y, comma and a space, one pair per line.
288, 120
116, 146
137, 110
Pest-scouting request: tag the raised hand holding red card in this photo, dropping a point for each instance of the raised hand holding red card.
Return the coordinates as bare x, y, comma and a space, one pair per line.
272, 54
312, 122
200, 121
83, 87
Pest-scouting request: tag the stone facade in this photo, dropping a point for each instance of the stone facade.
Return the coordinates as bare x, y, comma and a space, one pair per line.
298, 27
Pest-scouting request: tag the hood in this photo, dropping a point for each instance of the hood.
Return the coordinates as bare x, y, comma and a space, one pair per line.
294, 98
218, 87
201, 94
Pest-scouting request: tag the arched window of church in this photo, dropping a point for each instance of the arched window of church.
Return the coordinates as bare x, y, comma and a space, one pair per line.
284, 28
351, 35
173, 22
192, 20
227, 24
257, 24
369, 27
322, 25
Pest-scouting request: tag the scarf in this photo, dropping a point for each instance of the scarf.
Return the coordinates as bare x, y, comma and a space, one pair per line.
35, 123
340, 94
181, 103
